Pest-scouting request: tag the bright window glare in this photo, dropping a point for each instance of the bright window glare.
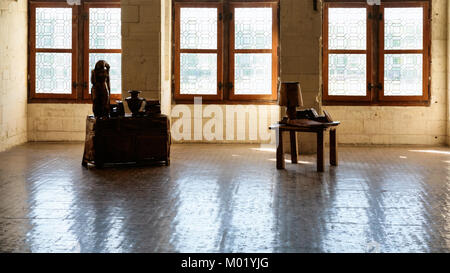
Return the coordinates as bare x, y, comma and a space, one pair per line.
289, 161
431, 152
264, 149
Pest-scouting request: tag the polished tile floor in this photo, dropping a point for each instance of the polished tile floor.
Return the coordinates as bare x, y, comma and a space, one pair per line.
226, 198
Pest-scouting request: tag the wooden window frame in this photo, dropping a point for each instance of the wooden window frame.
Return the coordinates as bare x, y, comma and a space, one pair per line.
80, 52
327, 51
375, 73
33, 50
425, 51
218, 51
225, 95
273, 51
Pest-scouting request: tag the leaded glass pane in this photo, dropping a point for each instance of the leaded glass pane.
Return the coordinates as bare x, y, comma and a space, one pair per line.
198, 74
347, 28
198, 28
54, 73
54, 28
105, 28
403, 28
253, 28
253, 74
403, 74
347, 75
115, 73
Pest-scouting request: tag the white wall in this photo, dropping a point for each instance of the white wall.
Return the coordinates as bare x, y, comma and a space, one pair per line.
13, 73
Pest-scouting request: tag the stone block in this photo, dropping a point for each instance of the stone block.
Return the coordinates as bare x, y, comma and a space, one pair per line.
151, 12
380, 139
130, 14
143, 30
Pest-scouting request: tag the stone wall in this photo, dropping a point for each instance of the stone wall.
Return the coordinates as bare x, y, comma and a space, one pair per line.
13, 73
166, 57
213, 123
141, 47
57, 122
146, 30
447, 76
301, 28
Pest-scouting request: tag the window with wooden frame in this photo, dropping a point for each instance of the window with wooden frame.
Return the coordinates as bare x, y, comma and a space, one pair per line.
376, 55
226, 51
65, 43
53, 48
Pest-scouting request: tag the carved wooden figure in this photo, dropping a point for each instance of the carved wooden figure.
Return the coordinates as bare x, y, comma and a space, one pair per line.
100, 91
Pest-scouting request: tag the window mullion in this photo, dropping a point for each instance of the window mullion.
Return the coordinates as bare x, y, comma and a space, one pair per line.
374, 46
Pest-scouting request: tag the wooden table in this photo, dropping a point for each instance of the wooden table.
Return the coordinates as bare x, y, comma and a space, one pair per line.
139, 140
311, 127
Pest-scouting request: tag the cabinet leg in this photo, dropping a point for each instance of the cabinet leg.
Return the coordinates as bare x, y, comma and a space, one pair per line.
294, 154
320, 162
333, 148
280, 154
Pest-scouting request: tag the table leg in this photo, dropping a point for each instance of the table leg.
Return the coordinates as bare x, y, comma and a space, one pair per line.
320, 162
333, 148
294, 154
280, 154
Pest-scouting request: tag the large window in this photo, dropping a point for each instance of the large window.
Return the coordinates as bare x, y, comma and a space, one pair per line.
376, 55
59, 71
226, 51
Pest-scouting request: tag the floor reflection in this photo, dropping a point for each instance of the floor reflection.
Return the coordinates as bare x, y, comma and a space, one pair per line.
49, 214
196, 225
226, 198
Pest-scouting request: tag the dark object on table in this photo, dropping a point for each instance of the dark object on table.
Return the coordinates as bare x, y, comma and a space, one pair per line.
307, 114
120, 108
114, 112
311, 114
129, 139
117, 110
304, 122
134, 102
152, 107
310, 126
328, 117
291, 97
100, 91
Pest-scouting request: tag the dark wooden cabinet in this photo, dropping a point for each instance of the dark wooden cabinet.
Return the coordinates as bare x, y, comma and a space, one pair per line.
127, 140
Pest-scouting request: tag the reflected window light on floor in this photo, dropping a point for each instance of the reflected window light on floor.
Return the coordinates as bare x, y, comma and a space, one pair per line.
265, 149
289, 161
431, 152
211, 201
